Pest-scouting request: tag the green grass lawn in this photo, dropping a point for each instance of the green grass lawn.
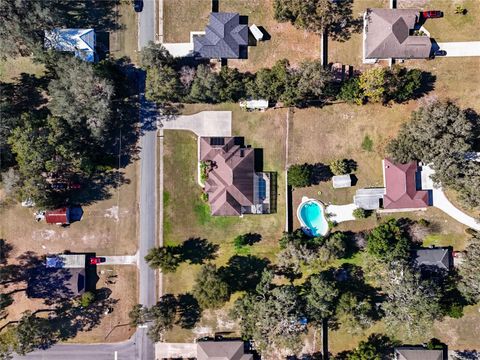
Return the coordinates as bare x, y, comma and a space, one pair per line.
453, 27
186, 215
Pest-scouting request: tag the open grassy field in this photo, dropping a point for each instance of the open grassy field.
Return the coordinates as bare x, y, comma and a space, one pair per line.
183, 16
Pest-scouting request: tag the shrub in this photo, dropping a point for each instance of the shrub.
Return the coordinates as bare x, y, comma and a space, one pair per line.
342, 167
455, 311
203, 171
204, 197
360, 213
423, 222
459, 9
367, 143
351, 92
300, 175
87, 299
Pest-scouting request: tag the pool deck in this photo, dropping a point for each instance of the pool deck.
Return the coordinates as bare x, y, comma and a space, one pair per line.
341, 213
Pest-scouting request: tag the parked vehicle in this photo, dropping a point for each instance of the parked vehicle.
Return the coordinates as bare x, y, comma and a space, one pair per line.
97, 260
74, 186
432, 14
59, 186
440, 53
138, 5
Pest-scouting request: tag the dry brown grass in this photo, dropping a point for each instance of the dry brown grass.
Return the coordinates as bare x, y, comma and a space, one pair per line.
124, 42
10, 69
115, 326
108, 227
183, 16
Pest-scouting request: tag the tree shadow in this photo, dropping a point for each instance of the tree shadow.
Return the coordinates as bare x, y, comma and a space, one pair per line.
197, 250
427, 84
320, 173
101, 15
243, 273
189, 311
252, 238
380, 344
343, 29
5, 249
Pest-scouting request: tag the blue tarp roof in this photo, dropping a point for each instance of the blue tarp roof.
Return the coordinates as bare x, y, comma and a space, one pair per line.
79, 41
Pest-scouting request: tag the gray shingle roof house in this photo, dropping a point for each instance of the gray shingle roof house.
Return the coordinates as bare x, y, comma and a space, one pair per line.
439, 257
233, 186
417, 353
225, 37
222, 350
387, 34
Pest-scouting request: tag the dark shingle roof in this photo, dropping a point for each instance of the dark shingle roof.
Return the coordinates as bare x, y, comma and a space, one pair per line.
417, 353
222, 350
223, 37
387, 35
439, 257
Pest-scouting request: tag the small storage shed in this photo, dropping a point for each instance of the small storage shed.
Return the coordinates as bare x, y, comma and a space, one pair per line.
341, 181
58, 216
256, 32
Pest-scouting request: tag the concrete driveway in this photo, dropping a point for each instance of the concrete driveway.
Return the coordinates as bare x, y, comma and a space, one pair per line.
175, 350
204, 123
458, 49
119, 260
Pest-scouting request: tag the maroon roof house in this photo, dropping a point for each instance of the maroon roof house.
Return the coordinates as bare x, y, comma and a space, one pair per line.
401, 191
233, 187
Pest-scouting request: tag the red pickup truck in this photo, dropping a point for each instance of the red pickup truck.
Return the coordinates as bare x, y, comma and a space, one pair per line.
432, 14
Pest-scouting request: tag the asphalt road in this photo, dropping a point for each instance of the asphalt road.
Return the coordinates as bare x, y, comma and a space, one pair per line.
119, 351
146, 23
139, 347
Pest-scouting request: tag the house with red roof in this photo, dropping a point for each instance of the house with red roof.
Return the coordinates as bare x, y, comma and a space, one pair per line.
402, 189
233, 186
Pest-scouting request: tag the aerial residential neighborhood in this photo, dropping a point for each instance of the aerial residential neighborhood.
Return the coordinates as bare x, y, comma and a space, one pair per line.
236, 180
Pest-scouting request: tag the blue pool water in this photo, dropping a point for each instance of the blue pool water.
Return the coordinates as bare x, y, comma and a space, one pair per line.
313, 218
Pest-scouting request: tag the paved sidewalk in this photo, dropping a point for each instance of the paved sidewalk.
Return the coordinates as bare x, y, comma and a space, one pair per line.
341, 213
458, 49
204, 123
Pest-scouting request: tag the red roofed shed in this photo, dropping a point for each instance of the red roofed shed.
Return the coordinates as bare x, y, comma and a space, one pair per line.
58, 216
401, 186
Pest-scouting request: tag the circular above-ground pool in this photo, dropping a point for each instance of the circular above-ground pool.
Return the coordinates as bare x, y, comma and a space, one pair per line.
311, 214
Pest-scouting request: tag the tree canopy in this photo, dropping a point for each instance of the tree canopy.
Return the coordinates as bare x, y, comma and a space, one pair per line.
299, 175
469, 271
412, 304
388, 241
441, 134
210, 289
271, 316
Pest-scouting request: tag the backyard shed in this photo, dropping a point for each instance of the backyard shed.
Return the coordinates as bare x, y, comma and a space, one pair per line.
256, 32
58, 216
341, 181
